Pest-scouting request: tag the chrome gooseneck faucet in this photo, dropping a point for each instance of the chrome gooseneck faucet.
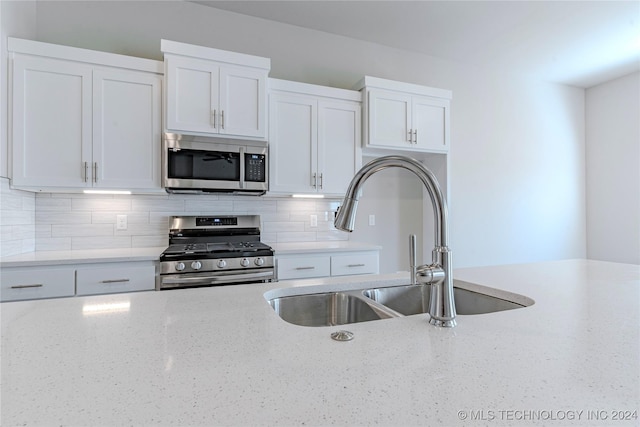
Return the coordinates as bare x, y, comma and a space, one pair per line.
439, 273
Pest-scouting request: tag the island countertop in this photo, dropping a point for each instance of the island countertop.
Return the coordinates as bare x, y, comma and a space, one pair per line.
222, 356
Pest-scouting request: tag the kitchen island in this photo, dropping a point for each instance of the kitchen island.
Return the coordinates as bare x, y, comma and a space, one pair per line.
222, 356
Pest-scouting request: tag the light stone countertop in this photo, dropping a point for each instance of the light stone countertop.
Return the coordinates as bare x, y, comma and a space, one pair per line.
42, 258
221, 356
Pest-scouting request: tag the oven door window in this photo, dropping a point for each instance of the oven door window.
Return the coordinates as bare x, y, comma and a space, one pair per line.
205, 165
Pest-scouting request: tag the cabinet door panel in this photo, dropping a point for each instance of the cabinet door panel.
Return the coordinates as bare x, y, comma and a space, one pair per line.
364, 263
51, 122
242, 102
35, 283
389, 116
431, 121
338, 145
126, 141
192, 95
303, 267
115, 279
293, 152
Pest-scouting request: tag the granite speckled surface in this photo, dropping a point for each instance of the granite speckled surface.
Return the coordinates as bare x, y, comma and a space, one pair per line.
221, 356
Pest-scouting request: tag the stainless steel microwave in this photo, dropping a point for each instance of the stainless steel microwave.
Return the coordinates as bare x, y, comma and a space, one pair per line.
200, 164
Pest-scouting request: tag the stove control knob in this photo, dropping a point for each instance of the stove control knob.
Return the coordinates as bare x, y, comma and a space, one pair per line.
259, 262
222, 263
244, 262
196, 265
180, 266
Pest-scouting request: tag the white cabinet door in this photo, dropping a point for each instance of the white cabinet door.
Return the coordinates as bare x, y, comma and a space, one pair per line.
192, 94
243, 102
389, 119
293, 144
126, 129
430, 123
354, 263
118, 277
303, 267
23, 283
339, 125
51, 123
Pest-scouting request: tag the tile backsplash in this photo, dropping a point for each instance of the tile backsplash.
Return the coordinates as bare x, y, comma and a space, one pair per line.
60, 221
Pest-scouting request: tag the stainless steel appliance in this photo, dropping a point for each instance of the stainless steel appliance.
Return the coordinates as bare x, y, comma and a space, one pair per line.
199, 164
214, 250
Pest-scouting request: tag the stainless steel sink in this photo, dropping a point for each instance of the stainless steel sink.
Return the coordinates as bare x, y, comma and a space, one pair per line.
364, 305
414, 299
326, 309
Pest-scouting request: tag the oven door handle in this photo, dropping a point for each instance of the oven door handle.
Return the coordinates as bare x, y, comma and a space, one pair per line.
213, 279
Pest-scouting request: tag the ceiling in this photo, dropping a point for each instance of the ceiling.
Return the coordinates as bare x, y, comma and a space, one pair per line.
581, 43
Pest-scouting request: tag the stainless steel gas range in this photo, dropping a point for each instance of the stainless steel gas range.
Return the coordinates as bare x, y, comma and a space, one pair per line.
214, 250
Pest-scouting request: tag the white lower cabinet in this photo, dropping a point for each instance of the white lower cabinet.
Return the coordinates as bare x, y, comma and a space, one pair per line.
24, 283
303, 267
326, 265
38, 282
119, 277
361, 263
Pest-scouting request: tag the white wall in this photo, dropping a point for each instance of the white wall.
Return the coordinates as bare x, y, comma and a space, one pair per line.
613, 170
517, 159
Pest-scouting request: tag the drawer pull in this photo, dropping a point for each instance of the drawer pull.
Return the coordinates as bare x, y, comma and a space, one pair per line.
115, 281
305, 268
35, 285
356, 265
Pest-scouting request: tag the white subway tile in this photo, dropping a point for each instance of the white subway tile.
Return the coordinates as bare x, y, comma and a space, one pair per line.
53, 243
55, 217
204, 204
276, 227
149, 241
52, 204
78, 230
110, 242
100, 203
296, 237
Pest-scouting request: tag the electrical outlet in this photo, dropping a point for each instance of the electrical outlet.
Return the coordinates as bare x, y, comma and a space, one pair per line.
121, 222
314, 220
372, 219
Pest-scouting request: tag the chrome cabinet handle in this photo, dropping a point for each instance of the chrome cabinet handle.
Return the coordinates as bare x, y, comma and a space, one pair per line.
95, 171
213, 118
86, 171
314, 180
320, 181
356, 265
222, 119
305, 268
35, 285
415, 136
115, 281
410, 138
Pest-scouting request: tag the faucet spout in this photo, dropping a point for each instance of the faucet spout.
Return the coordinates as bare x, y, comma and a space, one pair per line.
439, 274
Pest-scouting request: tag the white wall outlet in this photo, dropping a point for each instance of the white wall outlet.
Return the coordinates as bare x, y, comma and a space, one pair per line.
121, 222
372, 219
314, 220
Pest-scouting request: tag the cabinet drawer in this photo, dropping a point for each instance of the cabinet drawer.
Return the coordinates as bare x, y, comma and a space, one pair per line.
114, 279
35, 283
303, 267
343, 265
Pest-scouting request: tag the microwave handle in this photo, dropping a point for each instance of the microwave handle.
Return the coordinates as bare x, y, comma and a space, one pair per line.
242, 168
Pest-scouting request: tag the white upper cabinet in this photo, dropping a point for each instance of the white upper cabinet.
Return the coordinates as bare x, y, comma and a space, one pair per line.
77, 123
405, 116
314, 138
215, 92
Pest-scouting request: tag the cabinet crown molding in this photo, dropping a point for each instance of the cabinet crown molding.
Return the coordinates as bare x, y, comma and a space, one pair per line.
218, 55
376, 82
36, 48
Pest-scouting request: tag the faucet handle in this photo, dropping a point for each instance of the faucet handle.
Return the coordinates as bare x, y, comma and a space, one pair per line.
412, 258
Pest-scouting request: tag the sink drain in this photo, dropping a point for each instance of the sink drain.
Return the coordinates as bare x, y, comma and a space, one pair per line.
342, 336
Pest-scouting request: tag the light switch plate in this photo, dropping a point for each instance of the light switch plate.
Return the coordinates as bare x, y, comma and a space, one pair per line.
314, 220
372, 219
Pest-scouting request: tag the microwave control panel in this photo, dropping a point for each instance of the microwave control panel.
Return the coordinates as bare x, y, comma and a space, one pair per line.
255, 169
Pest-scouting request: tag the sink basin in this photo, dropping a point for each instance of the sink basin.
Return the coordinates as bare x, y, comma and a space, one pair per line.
325, 309
414, 299
364, 305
